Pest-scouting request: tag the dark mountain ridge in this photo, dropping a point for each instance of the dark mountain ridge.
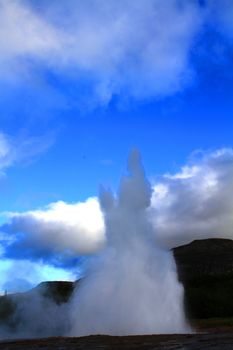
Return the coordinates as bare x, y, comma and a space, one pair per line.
207, 257
205, 268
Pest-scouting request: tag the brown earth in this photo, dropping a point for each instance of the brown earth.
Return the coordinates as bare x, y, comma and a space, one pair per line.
223, 341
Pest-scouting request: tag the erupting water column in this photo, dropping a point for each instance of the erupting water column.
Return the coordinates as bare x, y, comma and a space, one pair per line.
132, 286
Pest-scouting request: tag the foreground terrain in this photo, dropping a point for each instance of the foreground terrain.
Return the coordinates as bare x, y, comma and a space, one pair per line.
223, 341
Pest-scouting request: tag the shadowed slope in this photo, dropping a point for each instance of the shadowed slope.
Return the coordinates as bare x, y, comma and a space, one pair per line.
205, 268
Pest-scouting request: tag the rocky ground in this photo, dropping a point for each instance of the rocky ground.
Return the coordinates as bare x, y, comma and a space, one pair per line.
211, 341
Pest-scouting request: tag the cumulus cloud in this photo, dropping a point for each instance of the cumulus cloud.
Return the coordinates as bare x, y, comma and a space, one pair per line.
197, 202
135, 48
22, 148
59, 231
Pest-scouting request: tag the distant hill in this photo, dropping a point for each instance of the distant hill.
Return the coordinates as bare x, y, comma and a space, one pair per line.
205, 268
58, 291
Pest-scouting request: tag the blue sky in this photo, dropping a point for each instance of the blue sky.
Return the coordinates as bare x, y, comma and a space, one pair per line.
83, 84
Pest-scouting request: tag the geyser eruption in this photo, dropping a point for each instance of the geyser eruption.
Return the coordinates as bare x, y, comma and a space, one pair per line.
132, 286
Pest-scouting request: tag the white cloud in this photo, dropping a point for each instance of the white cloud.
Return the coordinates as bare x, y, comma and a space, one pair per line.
21, 148
70, 229
6, 152
135, 48
23, 35
138, 49
197, 202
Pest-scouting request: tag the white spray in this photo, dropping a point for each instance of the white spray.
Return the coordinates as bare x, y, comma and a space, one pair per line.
132, 287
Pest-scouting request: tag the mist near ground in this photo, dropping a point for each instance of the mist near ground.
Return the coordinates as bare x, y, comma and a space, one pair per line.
32, 315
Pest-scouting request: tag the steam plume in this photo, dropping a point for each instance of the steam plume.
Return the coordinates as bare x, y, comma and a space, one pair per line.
132, 287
